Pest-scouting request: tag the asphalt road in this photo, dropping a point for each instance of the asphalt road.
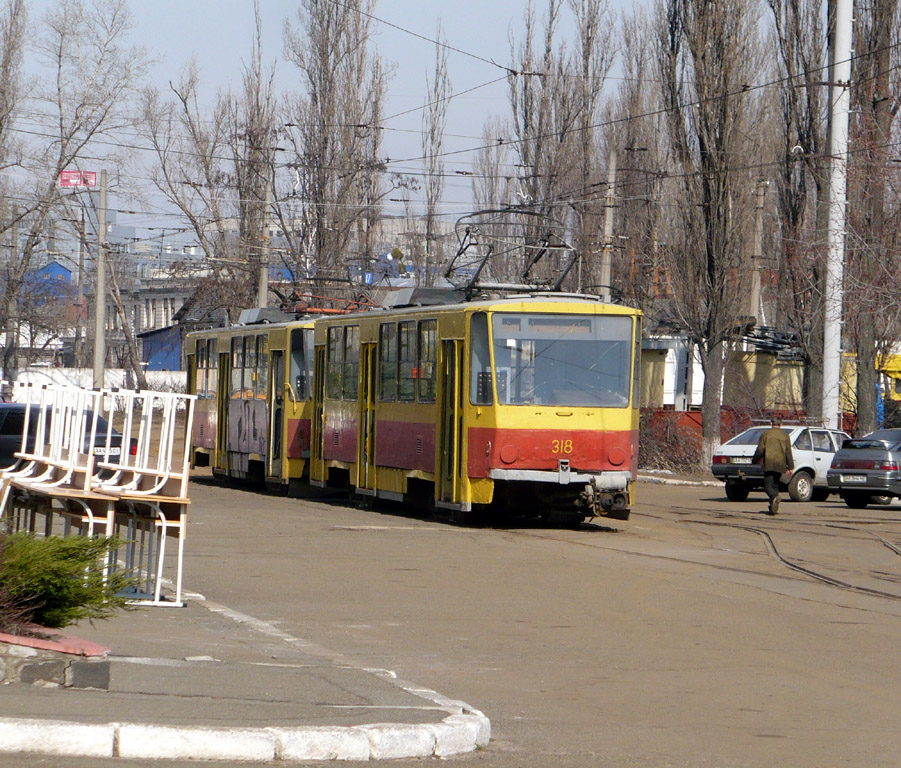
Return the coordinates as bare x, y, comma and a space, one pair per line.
678, 638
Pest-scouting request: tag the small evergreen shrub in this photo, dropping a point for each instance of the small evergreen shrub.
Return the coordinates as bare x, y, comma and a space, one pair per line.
57, 581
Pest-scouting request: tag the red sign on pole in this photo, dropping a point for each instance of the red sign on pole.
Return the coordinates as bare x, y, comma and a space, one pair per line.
78, 179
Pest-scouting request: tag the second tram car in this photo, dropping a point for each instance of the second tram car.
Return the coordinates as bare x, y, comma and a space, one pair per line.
527, 403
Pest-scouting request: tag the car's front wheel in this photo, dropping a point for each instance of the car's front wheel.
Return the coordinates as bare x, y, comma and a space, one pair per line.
736, 490
800, 487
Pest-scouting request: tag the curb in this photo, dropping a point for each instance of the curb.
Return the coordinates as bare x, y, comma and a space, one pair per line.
464, 729
456, 734
675, 481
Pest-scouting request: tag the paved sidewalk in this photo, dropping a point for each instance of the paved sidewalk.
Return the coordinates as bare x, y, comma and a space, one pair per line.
204, 682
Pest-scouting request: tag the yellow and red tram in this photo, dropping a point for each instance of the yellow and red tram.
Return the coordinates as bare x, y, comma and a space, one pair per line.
253, 387
527, 403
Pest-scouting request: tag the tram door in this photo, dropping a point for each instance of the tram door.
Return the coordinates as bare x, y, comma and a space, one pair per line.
225, 377
317, 465
450, 422
277, 416
366, 448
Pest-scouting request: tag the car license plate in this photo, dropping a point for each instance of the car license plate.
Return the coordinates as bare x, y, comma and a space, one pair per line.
741, 460
854, 478
100, 450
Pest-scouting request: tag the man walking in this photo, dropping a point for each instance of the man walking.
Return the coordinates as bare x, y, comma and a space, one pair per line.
774, 449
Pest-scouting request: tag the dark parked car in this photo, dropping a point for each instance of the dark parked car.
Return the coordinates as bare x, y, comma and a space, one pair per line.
867, 470
12, 424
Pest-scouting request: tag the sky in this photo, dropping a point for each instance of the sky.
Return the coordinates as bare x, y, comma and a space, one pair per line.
219, 35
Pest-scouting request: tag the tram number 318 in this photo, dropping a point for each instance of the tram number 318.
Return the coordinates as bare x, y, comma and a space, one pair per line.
562, 446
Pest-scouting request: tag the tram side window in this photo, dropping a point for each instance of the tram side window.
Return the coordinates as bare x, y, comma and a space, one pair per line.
261, 385
351, 385
297, 374
200, 372
387, 362
479, 361
250, 366
212, 385
406, 347
309, 346
237, 368
428, 358
335, 363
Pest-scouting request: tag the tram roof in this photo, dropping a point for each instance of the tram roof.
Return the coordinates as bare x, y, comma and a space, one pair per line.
522, 301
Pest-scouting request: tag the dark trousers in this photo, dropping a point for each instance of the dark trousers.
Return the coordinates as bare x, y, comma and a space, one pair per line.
771, 484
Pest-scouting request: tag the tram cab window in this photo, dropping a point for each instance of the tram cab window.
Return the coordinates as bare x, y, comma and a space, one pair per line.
480, 392
427, 359
387, 362
297, 373
406, 355
574, 360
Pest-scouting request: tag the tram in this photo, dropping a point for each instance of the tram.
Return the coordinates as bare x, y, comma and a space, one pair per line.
528, 404
253, 408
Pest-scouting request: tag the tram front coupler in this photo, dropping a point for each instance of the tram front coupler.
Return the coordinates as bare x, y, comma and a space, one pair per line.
603, 503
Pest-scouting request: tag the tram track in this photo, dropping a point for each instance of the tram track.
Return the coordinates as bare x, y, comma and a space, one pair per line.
817, 575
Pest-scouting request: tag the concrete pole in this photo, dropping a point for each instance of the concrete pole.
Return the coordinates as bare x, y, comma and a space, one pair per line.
607, 255
80, 321
838, 151
100, 296
263, 286
756, 258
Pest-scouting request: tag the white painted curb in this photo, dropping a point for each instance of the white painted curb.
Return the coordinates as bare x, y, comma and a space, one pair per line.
662, 480
55, 737
460, 732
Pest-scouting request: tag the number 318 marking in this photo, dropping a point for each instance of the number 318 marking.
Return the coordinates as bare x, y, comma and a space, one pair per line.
562, 446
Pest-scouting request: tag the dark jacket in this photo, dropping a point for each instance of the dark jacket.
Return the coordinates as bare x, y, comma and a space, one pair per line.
775, 449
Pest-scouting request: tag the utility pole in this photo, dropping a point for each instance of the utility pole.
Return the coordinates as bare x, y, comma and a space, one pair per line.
838, 151
607, 256
80, 320
100, 297
263, 286
754, 309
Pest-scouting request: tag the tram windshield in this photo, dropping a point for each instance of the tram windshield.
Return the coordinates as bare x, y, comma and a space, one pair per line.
577, 360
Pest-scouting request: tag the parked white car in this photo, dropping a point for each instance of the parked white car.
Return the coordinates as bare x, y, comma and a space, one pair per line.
812, 449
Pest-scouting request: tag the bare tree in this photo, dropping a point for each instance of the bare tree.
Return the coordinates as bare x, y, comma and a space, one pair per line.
802, 180
93, 77
708, 54
434, 120
335, 136
635, 126
872, 315
216, 165
13, 34
592, 57
192, 171
545, 115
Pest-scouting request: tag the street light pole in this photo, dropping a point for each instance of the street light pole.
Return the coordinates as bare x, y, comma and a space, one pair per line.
100, 297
